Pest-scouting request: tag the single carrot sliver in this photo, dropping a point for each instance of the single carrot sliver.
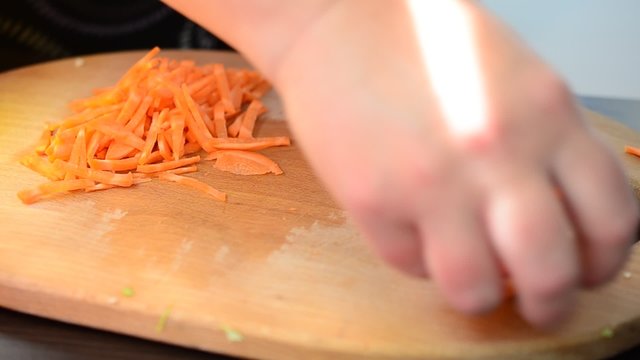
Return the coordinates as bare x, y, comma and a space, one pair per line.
124, 180
167, 165
195, 184
632, 150
259, 143
245, 163
30, 196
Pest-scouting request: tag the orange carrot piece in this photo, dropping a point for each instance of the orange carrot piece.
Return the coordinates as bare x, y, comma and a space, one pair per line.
249, 119
222, 84
98, 187
129, 108
245, 163
78, 154
195, 184
201, 83
195, 121
30, 196
219, 120
191, 148
121, 134
234, 128
43, 141
258, 143
163, 146
632, 150
152, 135
177, 171
177, 136
43, 167
167, 165
115, 165
124, 180
235, 95
208, 122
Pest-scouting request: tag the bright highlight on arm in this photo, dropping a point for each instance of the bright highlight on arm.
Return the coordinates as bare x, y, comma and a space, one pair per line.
448, 50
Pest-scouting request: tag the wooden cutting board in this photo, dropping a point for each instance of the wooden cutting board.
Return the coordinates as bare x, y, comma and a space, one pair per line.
279, 263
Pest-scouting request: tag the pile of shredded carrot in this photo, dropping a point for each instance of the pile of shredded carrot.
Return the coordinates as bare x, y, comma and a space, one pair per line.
160, 120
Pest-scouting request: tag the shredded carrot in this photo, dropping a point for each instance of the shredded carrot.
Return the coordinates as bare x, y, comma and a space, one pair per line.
245, 163
249, 119
632, 150
196, 184
30, 196
167, 165
250, 144
152, 124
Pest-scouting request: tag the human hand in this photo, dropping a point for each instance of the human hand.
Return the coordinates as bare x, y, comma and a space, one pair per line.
466, 179
458, 183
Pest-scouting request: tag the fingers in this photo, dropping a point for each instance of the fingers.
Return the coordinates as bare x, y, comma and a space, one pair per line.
459, 257
395, 241
534, 238
601, 204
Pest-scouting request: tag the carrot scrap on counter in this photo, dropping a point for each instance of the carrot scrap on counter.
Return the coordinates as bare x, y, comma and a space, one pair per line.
152, 124
632, 150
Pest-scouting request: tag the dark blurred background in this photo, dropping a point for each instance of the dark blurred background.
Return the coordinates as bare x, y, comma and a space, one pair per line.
33, 31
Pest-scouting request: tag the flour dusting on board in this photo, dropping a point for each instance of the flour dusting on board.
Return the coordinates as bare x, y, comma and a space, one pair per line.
104, 222
340, 243
221, 253
184, 249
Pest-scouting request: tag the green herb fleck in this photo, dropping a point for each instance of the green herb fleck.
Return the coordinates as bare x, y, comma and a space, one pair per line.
162, 321
128, 292
232, 335
607, 333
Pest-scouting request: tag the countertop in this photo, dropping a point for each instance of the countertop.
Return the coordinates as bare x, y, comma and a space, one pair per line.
28, 337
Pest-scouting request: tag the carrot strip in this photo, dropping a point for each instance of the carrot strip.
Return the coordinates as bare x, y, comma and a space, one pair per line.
219, 120
259, 143
124, 180
195, 121
191, 148
195, 184
177, 171
208, 122
234, 128
152, 135
121, 134
223, 87
177, 136
168, 165
30, 196
129, 108
115, 165
42, 167
249, 119
98, 187
632, 150
43, 141
245, 163
163, 146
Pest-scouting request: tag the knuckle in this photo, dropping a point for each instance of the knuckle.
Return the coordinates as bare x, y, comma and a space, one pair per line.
552, 95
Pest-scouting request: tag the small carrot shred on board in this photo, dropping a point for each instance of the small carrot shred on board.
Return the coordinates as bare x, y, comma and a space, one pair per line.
245, 163
632, 150
153, 123
196, 184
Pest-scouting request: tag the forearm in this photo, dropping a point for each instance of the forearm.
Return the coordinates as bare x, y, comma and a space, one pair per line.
263, 31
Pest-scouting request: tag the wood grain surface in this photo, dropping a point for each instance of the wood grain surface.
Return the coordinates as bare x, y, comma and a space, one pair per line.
279, 263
